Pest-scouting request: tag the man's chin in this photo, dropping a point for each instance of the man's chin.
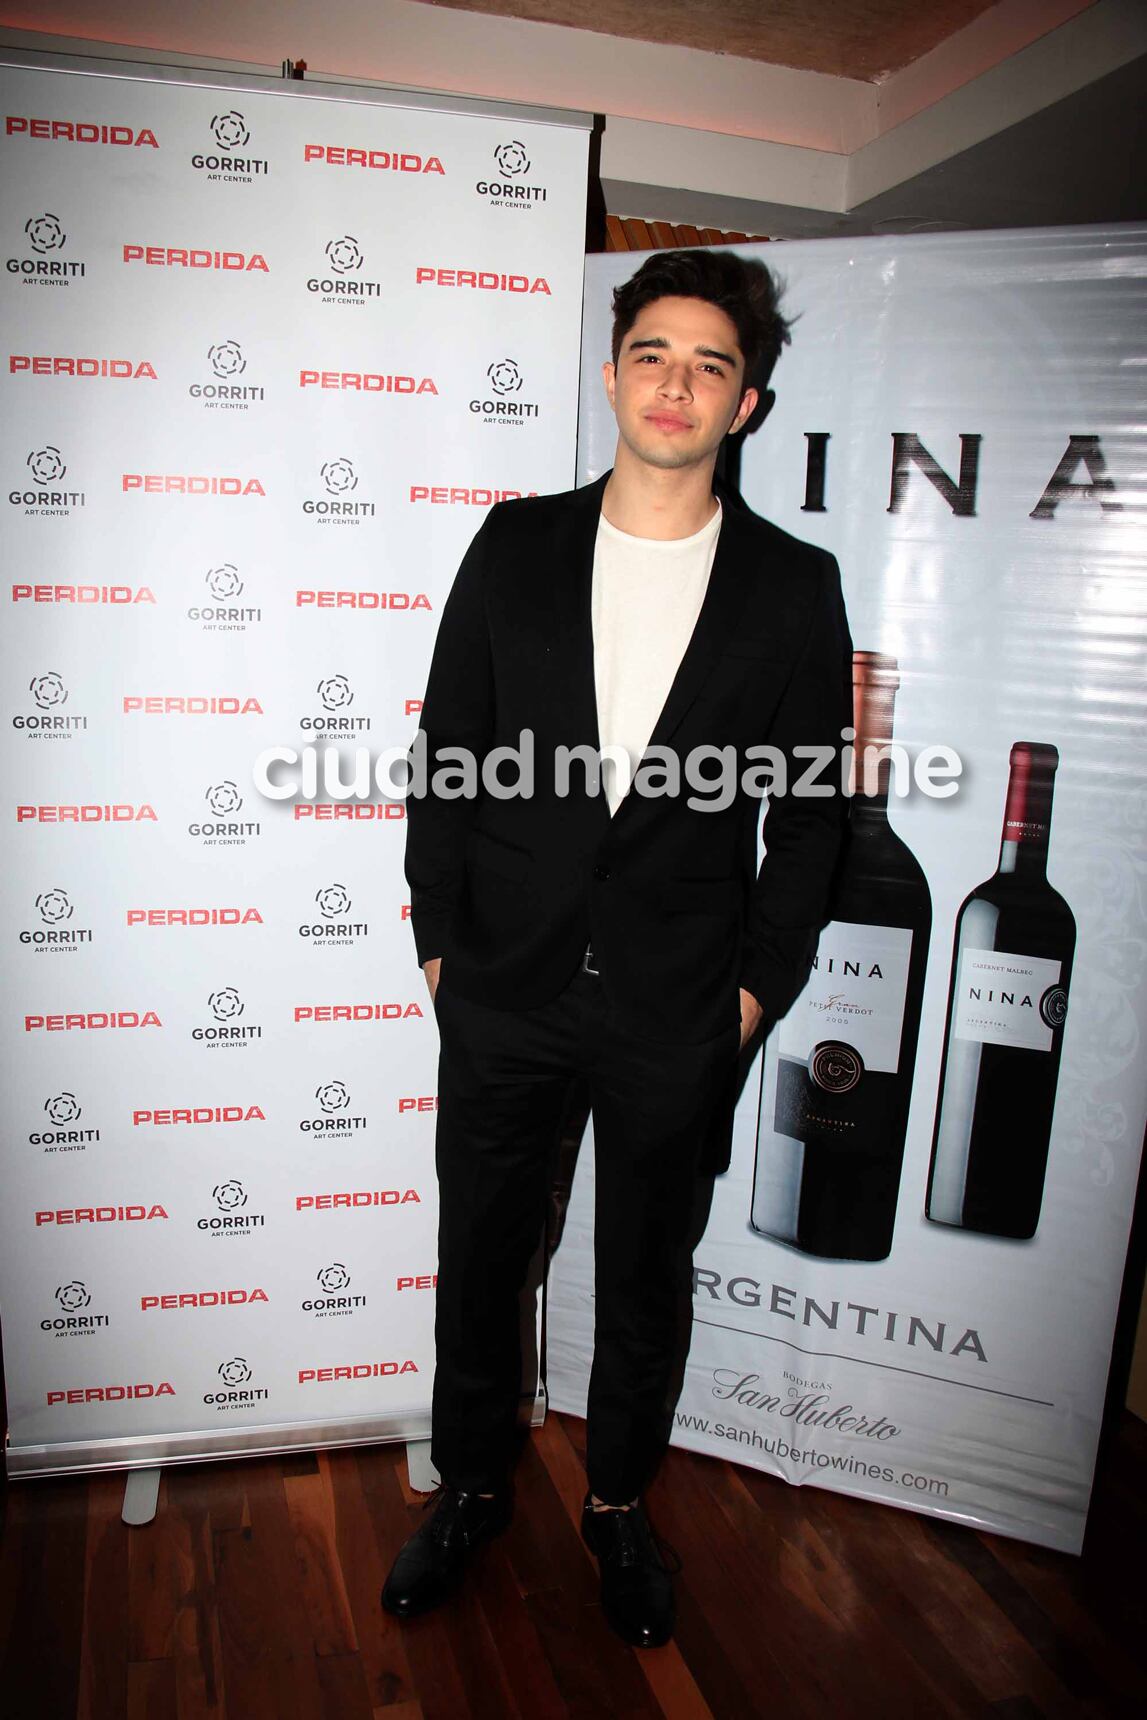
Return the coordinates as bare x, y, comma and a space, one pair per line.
667, 456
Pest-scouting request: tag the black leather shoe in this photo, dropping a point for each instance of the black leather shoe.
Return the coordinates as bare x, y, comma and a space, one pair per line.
432, 1562
636, 1591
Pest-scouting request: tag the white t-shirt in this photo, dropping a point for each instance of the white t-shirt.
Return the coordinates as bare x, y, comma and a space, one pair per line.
647, 595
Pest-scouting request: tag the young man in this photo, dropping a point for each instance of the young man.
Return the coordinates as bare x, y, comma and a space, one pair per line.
628, 937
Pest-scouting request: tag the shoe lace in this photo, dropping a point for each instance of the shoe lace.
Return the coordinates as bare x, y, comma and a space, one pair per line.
449, 1507
635, 1538
445, 1505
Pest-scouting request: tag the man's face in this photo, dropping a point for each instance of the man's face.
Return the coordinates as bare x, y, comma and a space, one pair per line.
678, 386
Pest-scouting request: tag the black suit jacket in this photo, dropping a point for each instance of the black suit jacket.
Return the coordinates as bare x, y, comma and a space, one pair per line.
510, 891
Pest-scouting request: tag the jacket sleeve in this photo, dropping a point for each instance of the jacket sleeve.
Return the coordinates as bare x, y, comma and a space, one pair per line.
457, 712
802, 834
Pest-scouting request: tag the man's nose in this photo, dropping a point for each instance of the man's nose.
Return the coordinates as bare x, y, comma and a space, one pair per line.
675, 382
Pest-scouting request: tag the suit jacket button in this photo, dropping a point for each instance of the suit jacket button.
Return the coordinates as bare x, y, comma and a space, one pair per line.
601, 873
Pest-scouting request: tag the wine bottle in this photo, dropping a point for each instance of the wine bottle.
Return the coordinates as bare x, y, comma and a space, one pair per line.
837, 1078
1007, 1003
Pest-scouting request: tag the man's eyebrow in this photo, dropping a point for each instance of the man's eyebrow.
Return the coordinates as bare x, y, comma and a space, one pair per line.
711, 352
662, 344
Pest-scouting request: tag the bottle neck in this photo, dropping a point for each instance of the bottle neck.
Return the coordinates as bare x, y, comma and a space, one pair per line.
870, 810
1027, 814
1023, 859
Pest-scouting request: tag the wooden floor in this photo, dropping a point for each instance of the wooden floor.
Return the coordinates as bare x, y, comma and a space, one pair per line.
254, 1595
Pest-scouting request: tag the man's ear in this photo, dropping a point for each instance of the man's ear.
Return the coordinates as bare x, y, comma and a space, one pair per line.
745, 410
765, 401
609, 377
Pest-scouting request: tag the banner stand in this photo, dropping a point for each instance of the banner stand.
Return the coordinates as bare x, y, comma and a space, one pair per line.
275, 348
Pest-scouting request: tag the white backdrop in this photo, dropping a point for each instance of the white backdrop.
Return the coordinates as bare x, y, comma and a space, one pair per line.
272, 353
1005, 626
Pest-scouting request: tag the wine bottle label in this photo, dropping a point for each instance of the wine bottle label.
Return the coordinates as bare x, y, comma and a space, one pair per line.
850, 1015
1006, 999
840, 1042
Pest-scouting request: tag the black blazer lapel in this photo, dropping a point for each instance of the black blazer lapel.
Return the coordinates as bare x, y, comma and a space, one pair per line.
571, 571
724, 602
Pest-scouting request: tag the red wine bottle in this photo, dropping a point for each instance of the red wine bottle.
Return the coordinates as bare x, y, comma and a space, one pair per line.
1007, 1003
837, 1078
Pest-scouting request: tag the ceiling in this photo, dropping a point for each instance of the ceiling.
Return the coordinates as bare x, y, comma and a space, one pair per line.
862, 39
1017, 113
1082, 159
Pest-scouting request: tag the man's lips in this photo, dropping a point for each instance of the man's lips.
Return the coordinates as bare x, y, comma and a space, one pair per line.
667, 421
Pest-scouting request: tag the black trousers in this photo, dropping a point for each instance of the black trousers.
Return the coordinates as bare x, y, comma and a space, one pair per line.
503, 1080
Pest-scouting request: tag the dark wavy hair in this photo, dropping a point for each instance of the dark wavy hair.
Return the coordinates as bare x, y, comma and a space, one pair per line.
747, 291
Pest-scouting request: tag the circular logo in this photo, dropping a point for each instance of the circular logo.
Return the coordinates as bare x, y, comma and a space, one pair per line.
505, 377
332, 1096
73, 1296
63, 1108
225, 1004
835, 1067
1053, 1006
339, 476
45, 233
229, 1195
333, 900
48, 690
224, 581
512, 158
333, 1277
230, 130
235, 1372
344, 254
224, 798
335, 692
54, 906
46, 464
226, 359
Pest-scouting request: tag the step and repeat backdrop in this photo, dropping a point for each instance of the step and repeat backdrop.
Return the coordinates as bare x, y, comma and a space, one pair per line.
909, 1280
270, 355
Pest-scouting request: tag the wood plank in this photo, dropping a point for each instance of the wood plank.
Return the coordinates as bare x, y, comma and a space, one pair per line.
674, 1688
637, 234
151, 1691
1056, 1669
197, 1645
615, 239
594, 1670
480, 1667
666, 1672
106, 1638
423, 1643
151, 1599
526, 1668
719, 1616
364, 1570
40, 1667
268, 1656
310, 1508
543, 1546
342, 1688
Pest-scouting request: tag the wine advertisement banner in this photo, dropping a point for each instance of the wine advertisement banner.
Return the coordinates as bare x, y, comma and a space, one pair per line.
271, 356
908, 1283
